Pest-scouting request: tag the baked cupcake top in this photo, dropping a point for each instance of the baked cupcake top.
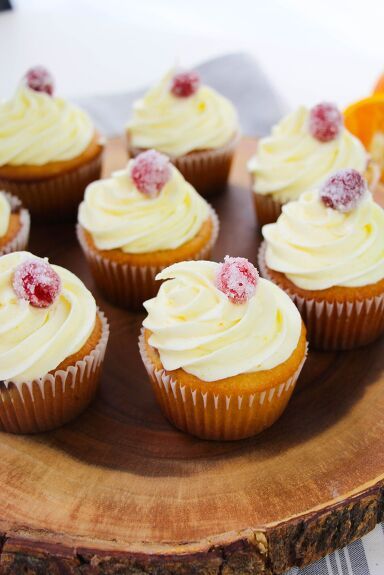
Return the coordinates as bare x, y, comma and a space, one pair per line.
146, 207
329, 237
219, 320
5, 214
180, 115
46, 315
37, 128
302, 150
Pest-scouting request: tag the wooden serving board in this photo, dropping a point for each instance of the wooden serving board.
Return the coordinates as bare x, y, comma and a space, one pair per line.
120, 490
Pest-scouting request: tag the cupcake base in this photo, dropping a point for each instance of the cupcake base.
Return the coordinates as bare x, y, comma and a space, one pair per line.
17, 236
222, 412
207, 170
56, 196
50, 401
267, 209
128, 284
337, 319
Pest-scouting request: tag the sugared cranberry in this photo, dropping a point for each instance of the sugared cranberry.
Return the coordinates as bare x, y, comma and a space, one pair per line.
150, 172
37, 282
237, 278
185, 84
325, 121
343, 190
40, 80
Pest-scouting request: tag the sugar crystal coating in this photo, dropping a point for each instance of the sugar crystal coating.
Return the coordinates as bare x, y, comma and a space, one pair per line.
343, 190
237, 278
185, 84
150, 172
37, 282
325, 121
39, 79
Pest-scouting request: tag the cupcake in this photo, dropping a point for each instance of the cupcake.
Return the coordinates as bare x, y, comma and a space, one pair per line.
53, 340
49, 149
139, 221
14, 224
304, 148
326, 250
191, 123
223, 348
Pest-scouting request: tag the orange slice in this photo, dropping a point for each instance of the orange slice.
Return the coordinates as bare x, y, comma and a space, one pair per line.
365, 119
379, 88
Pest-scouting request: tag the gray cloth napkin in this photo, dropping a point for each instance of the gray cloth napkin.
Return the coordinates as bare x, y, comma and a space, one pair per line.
259, 107
240, 78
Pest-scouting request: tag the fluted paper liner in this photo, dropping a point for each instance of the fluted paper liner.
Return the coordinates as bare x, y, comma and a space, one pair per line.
207, 170
267, 209
219, 416
335, 325
127, 285
20, 241
55, 198
54, 399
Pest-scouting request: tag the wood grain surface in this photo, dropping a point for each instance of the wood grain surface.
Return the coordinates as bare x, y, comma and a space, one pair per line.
120, 491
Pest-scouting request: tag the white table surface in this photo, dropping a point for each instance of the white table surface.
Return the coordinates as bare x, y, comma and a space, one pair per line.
310, 51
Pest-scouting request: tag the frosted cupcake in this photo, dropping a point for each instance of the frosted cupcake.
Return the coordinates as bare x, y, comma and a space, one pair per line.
49, 149
303, 149
222, 347
139, 221
326, 251
191, 123
14, 224
53, 340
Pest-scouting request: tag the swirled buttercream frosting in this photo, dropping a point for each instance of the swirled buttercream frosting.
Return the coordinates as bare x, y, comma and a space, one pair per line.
36, 128
119, 216
33, 340
318, 247
291, 160
196, 327
177, 126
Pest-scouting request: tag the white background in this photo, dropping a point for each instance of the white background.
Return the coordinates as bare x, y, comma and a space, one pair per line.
310, 51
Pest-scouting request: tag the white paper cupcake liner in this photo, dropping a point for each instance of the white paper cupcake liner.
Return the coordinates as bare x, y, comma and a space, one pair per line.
129, 286
20, 241
55, 198
335, 325
222, 416
52, 400
267, 208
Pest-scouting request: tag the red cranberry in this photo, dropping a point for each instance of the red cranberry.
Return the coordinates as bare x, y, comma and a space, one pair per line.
37, 282
39, 80
343, 190
185, 84
150, 172
237, 278
325, 121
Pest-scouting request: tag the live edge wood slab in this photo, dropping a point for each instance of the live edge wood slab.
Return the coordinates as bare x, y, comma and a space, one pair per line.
120, 491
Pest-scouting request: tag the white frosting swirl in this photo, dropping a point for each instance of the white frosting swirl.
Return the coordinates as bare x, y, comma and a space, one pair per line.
34, 341
177, 126
36, 129
196, 327
117, 215
318, 247
291, 160
5, 214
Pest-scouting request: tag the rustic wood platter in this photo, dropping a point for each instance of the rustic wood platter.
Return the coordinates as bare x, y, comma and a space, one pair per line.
120, 490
